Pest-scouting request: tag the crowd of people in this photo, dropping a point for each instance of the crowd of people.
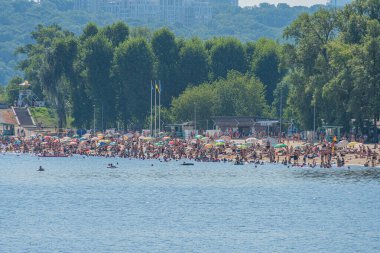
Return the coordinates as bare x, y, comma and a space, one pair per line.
197, 148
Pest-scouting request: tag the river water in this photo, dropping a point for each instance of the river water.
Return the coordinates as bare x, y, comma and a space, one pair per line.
78, 205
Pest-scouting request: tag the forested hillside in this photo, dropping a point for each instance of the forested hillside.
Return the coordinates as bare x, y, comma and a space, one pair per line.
18, 18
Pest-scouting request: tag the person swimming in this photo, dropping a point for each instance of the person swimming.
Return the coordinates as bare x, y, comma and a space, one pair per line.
41, 169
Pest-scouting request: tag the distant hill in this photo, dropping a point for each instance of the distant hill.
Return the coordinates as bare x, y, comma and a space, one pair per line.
19, 17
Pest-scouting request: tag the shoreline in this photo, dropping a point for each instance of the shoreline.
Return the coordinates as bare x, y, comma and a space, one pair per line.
265, 161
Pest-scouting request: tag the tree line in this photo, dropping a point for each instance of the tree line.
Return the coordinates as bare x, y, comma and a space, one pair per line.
329, 68
18, 18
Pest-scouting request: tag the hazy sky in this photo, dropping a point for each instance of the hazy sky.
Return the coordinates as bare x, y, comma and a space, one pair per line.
290, 2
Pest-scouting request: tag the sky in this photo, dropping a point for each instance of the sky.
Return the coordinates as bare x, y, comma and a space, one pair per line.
289, 2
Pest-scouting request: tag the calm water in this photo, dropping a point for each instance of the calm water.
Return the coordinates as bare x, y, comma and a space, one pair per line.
78, 205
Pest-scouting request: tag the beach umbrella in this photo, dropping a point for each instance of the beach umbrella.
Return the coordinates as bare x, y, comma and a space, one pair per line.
18, 142
165, 138
342, 144
221, 141
171, 142
352, 144
75, 136
82, 139
219, 144
158, 144
198, 136
280, 145
72, 143
87, 136
226, 138
251, 140
113, 143
56, 141
208, 146
205, 139
239, 146
94, 138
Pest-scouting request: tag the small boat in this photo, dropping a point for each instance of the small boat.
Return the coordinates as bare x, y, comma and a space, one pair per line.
53, 155
187, 164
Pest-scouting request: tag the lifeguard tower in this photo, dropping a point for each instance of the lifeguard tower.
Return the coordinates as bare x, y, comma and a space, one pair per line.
331, 131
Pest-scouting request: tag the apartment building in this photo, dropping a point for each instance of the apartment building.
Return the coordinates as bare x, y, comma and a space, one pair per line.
186, 12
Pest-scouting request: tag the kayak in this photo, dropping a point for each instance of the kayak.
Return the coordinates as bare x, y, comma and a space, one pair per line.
187, 164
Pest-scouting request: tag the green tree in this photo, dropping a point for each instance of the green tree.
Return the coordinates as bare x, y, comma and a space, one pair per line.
238, 94
193, 63
266, 65
12, 89
117, 32
166, 52
98, 59
133, 69
227, 54
57, 74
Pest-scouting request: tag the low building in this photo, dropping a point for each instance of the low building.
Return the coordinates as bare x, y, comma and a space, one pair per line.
246, 125
8, 122
182, 130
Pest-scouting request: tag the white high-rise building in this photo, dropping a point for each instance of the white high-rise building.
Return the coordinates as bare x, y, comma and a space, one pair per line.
186, 12
139, 9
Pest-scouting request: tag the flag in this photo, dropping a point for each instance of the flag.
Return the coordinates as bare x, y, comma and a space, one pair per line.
157, 88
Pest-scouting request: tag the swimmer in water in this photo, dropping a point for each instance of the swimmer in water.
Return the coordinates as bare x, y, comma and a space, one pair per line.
41, 169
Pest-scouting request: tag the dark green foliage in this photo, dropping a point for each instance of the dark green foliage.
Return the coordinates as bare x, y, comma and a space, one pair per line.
227, 54
133, 72
335, 64
238, 94
20, 17
331, 62
166, 51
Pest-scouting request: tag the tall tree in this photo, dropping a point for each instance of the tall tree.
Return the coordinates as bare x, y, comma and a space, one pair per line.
117, 33
193, 63
57, 74
133, 71
266, 65
167, 54
98, 57
227, 54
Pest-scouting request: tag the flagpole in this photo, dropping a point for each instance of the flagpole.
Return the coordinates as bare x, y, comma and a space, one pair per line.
151, 108
159, 106
155, 110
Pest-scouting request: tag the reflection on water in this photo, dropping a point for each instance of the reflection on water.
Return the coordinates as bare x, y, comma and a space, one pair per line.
357, 175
